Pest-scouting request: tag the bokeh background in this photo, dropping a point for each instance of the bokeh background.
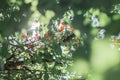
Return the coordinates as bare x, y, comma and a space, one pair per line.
96, 21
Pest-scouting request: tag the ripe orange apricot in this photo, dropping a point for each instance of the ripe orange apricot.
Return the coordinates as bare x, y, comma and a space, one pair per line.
24, 36
62, 27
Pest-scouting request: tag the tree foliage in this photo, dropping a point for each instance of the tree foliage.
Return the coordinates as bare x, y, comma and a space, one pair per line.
59, 39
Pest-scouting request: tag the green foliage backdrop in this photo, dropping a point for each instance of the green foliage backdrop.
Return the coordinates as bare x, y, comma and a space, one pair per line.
96, 26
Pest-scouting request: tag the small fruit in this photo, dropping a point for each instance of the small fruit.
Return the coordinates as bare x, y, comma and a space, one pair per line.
24, 36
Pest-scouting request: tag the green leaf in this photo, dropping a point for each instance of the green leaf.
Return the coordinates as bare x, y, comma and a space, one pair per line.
4, 53
57, 48
46, 76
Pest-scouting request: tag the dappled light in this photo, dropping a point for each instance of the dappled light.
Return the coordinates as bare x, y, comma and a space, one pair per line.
59, 40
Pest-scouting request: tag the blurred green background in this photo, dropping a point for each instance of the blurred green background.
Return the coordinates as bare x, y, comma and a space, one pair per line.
98, 58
